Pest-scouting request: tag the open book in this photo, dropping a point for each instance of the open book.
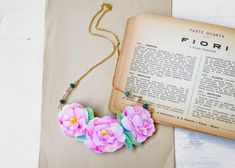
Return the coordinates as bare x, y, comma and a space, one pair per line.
184, 69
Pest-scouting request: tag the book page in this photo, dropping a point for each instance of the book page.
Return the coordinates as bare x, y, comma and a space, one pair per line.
184, 69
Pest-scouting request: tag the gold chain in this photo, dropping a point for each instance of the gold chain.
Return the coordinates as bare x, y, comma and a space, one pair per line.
105, 7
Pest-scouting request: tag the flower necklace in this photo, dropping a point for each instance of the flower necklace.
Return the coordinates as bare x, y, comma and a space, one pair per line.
130, 127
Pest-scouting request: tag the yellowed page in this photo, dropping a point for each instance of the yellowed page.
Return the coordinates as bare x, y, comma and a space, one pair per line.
185, 69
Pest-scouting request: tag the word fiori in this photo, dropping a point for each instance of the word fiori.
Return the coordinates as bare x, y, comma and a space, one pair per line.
204, 43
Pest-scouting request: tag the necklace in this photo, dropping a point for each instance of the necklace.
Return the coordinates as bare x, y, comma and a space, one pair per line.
132, 126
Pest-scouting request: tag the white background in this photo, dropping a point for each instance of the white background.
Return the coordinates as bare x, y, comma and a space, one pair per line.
21, 55
21, 51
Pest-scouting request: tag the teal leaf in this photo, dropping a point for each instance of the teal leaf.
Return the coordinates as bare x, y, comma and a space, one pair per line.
136, 143
80, 138
128, 143
131, 137
129, 134
90, 113
119, 117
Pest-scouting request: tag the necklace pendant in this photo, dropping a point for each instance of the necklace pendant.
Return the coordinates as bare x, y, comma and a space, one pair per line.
129, 128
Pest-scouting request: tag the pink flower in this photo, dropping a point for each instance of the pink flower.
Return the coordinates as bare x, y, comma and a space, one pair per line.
104, 135
73, 118
138, 121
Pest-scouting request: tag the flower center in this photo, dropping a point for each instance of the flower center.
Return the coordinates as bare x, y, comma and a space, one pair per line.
104, 132
73, 120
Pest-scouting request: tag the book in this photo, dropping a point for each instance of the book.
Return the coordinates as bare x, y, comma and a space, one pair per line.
184, 69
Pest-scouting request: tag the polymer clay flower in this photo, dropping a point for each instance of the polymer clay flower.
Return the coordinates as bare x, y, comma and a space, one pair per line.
138, 121
73, 119
104, 135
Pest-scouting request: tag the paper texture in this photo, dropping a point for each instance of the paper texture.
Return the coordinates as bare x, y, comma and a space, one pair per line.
184, 69
69, 52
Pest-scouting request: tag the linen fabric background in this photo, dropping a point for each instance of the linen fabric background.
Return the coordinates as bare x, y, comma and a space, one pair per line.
69, 52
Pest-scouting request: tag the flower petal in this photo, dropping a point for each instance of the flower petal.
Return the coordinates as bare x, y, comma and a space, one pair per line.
127, 123
137, 120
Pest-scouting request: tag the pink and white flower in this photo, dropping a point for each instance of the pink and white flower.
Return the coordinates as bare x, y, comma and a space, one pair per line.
138, 121
104, 135
72, 119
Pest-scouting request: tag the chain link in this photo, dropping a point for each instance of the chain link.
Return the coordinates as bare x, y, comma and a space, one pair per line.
105, 7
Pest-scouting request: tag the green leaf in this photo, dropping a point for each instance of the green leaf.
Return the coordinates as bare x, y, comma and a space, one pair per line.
131, 137
119, 117
90, 113
136, 143
80, 138
128, 143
